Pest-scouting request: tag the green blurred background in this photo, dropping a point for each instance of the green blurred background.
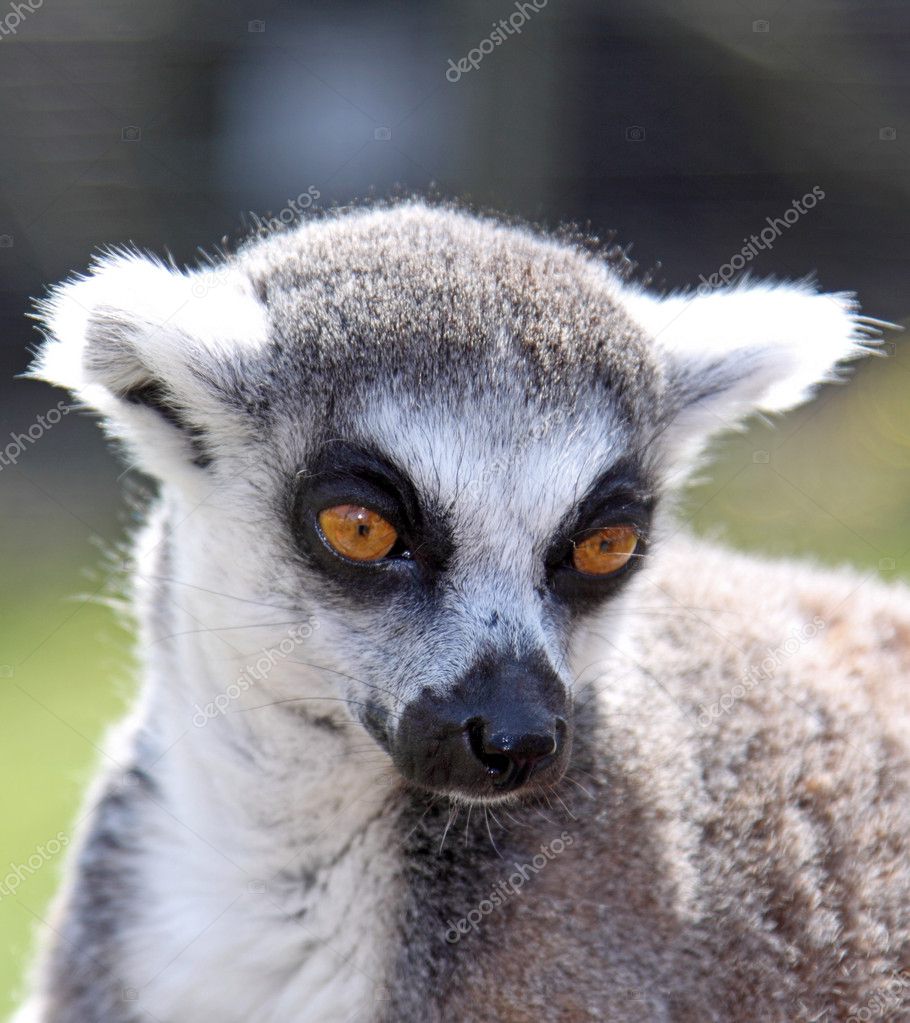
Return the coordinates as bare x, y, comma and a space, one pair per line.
680, 126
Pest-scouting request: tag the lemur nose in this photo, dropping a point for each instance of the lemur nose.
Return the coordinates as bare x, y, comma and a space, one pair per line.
512, 756
505, 725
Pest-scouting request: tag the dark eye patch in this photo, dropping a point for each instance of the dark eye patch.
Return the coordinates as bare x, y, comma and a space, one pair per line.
622, 495
345, 473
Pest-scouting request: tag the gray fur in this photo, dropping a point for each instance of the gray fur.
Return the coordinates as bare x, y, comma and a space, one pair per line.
741, 866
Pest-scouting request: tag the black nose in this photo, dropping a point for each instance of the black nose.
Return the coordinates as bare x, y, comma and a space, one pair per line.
504, 725
510, 756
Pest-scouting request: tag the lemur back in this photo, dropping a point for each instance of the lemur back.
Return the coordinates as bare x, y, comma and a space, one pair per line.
442, 715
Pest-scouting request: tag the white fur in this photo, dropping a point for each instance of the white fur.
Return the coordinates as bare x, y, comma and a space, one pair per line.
775, 342
205, 942
172, 325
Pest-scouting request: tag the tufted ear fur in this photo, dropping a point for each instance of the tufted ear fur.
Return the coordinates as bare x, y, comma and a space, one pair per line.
745, 349
151, 348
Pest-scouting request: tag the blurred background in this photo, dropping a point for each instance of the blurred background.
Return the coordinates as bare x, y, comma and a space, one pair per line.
684, 127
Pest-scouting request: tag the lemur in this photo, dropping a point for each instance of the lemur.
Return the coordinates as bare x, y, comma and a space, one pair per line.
444, 716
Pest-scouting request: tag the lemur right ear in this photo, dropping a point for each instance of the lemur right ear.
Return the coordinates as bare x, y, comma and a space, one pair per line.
760, 347
150, 348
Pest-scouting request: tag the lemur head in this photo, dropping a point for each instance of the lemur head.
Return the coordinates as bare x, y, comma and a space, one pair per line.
440, 439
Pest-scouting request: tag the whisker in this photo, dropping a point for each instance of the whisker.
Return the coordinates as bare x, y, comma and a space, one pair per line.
369, 762
682, 609
486, 818
579, 786
453, 813
300, 699
227, 628
430, 806
366, 759
498, 822
342, 674
564, 803
216, 593
467, 822
545, 817
647, 674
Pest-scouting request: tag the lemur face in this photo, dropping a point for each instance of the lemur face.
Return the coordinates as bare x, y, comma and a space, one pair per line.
439, 439
457, 562
470, 482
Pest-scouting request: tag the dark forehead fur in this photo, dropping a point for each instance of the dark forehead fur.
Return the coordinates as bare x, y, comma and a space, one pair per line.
416, 301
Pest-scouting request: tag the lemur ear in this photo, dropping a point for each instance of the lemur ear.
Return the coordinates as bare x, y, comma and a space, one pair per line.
151, 348
745, 349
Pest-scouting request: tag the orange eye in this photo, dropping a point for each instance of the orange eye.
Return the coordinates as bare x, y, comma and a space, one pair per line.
605, 551
358, 533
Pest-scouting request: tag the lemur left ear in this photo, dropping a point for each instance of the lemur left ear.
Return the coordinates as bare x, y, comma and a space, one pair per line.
151, 348
749, 348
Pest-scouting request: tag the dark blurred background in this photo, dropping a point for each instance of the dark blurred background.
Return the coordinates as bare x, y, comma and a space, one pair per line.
681, 127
